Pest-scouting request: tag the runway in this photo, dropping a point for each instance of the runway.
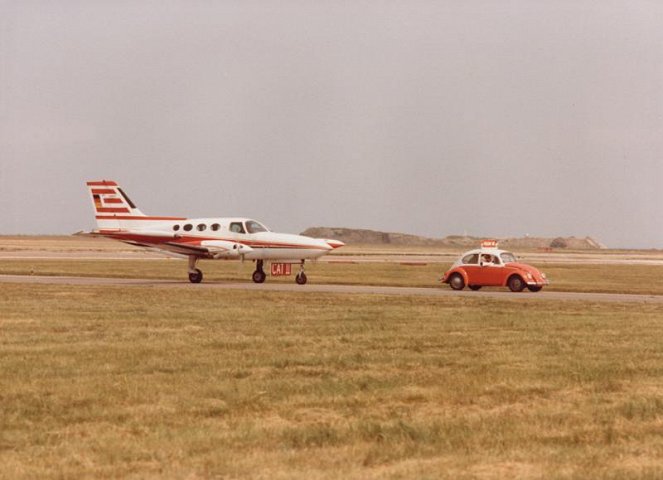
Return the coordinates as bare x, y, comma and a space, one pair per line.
335, 289
593, 258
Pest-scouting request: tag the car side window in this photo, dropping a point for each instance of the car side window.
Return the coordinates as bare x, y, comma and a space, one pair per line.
237, 227
487, 259
471, 259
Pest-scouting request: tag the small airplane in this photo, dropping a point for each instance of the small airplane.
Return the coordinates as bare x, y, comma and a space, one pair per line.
202, 238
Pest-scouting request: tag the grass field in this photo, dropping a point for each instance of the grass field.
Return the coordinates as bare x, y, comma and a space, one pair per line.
156, 382
641, 279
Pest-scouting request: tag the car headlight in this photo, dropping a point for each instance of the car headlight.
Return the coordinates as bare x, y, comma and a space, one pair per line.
543, 275
529, 276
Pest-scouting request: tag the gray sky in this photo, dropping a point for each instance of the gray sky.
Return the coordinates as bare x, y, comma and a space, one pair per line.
495, 118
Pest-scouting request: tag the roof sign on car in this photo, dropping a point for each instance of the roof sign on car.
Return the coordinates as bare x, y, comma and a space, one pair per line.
489, 244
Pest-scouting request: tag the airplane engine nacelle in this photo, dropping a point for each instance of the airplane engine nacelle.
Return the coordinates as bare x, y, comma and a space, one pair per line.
224, 249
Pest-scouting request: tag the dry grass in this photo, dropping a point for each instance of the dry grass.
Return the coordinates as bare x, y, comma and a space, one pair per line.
154, 382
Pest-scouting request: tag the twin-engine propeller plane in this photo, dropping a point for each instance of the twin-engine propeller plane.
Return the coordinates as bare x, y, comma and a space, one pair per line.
201, 238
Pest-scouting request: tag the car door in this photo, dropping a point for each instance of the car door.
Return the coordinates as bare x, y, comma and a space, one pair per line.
492, 273
470, 263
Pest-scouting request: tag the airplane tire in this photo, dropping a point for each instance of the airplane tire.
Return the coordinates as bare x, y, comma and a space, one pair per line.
516, 284
456, 281
196, 277
475, 287
259, 276
534, 288
301, 278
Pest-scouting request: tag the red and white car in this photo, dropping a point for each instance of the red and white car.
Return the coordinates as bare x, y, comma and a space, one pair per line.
489, 266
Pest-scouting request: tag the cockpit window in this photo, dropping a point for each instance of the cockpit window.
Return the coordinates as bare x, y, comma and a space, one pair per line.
254, 227
471, 259
237, 227
508, 257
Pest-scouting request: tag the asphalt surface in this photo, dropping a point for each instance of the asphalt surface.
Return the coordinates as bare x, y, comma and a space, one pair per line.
594, 258
442, 291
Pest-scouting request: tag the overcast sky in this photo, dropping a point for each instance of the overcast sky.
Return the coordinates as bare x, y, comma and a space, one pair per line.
491, 118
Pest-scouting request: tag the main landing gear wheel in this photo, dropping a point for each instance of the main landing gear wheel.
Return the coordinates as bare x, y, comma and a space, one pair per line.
196, 277
516, 284
259, 275
300, 278
475, 287
534, 288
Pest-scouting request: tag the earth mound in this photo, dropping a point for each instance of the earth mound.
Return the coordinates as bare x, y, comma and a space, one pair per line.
373, 237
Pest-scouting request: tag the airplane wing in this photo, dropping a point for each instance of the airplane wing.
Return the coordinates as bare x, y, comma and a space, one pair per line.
187, 248
208, 248
172, 243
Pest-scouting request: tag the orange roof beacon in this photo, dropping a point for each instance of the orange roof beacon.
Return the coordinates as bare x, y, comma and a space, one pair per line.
489, 266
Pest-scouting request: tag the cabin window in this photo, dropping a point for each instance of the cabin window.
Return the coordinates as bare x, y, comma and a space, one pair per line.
237, 227
215, 227
202, 227
254, 227
188, 227
176, 227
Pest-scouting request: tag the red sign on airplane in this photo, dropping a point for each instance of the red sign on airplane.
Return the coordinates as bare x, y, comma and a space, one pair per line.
281, 269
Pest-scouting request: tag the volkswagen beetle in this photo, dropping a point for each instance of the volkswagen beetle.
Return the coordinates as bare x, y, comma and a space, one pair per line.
489, 266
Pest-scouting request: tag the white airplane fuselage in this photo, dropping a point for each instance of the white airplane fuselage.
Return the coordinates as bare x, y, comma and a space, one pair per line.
214, 238
216, 235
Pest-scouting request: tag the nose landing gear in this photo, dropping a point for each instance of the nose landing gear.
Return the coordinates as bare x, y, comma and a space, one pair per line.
300, 278
259, 274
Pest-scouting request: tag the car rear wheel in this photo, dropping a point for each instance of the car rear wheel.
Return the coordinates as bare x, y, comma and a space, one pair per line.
516, 284
475, 287
534, 288
456, 281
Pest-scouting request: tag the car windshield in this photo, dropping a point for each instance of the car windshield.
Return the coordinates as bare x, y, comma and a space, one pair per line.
254, 227
508, 257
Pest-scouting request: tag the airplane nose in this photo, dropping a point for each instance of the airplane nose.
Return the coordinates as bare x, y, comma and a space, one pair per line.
334, 244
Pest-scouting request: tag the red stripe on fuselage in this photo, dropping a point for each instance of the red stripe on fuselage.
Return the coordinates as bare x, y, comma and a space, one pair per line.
112, 210
196, 240
114, 217
104, 183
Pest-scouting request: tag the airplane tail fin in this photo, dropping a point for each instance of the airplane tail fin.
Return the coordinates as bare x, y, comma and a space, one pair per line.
112, 207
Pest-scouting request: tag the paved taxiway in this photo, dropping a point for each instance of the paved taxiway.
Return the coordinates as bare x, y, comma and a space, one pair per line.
594, 258
339, 289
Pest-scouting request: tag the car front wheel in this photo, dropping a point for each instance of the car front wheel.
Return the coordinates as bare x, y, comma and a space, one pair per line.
534, 288
516, 284
456, 281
